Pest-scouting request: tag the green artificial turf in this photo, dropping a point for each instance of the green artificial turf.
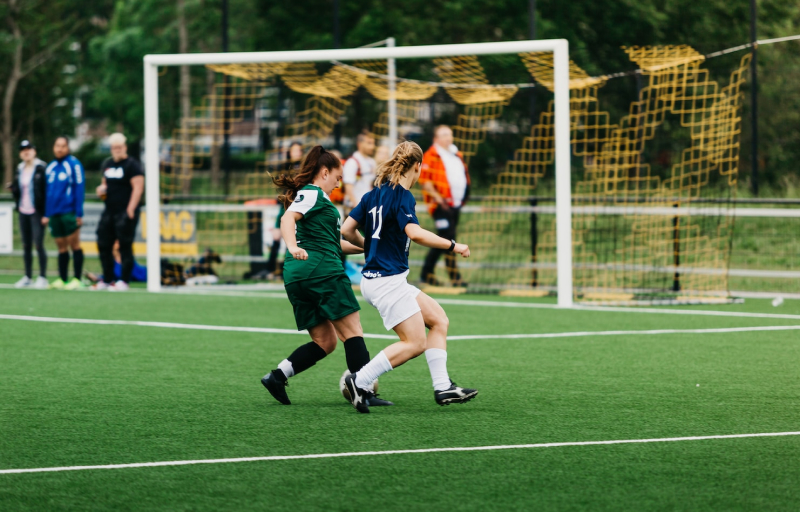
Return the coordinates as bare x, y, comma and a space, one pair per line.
79, 394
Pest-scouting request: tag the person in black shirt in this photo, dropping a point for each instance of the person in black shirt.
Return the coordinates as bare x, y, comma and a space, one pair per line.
121, 189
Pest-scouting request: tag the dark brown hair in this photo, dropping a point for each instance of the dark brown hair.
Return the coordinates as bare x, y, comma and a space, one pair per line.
293, 181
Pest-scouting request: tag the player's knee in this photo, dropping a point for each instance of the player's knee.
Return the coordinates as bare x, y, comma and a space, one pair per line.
327, 345
417, 345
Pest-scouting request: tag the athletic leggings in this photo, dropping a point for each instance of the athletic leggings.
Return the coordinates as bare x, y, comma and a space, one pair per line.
30, 226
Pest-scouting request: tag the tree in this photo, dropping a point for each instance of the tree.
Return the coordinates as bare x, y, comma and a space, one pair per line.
35, 39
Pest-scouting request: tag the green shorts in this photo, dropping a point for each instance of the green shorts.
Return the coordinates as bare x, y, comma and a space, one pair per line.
63, 225
317, 299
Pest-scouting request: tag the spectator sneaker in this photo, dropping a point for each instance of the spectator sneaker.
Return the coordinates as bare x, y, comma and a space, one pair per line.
119, 286
24, 282
101, 285
41, 283
74, 284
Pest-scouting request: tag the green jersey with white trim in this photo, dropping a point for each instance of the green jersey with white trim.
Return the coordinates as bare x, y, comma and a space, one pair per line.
319, 233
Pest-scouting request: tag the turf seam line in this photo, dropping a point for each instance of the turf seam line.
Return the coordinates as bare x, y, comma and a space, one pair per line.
390, 452
271, 330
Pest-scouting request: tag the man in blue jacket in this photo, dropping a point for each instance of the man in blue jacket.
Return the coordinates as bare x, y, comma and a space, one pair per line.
64, 211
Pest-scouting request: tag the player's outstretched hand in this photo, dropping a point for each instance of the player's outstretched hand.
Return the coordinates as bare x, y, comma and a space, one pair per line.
462, 249
299, 254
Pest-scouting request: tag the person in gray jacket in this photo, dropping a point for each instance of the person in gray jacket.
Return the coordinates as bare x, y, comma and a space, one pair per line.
29, 188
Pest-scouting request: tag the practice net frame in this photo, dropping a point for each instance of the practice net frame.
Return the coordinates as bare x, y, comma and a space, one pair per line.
557, 72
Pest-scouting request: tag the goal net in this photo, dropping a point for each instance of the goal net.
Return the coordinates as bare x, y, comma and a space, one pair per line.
622, 216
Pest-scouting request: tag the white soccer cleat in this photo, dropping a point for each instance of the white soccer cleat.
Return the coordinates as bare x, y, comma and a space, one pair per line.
41, 283
23, 283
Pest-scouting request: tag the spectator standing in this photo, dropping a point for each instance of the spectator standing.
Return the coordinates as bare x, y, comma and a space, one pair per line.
29, 188
445, 188
121, 190
359, 171
64, 211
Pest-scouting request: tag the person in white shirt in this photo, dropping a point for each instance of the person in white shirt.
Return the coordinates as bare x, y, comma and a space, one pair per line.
445, 188
29, 190
359, 171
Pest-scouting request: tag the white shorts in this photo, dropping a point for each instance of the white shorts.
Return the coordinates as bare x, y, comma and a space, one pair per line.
393, 297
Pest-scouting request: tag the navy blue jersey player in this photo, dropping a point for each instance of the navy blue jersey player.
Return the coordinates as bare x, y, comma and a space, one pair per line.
389, 222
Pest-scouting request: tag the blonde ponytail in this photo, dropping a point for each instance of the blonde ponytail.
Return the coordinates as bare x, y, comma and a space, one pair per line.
406, 155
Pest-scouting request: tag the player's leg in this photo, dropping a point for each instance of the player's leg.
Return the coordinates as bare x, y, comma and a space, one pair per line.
445, 391
74, 242
63, 263
305, 356
412, 343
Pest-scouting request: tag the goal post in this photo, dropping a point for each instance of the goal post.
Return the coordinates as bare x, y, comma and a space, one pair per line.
561, 124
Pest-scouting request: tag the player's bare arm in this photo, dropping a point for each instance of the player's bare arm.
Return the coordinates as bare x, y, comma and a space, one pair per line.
425, 238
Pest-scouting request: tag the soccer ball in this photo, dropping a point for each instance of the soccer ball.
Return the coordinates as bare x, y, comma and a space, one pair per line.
346, 394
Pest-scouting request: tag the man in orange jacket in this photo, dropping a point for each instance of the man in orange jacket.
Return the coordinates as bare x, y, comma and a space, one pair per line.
445, 188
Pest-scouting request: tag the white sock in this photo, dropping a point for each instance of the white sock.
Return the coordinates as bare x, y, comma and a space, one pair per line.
437, 363
287, 368
372, 370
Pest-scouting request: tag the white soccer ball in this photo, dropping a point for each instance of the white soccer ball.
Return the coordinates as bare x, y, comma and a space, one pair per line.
343, 389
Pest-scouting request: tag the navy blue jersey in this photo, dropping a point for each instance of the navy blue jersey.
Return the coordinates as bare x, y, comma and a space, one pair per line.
383, 213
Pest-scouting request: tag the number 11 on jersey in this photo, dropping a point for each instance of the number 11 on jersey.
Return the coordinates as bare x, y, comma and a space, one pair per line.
377, 221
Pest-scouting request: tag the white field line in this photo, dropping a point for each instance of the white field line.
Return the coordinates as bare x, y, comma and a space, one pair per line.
649, 332
271, 330
170, 325
389, 452
498, 304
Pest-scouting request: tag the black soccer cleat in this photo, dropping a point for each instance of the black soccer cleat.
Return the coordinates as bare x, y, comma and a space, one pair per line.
358, 396
454, 395
276, 385
373, 400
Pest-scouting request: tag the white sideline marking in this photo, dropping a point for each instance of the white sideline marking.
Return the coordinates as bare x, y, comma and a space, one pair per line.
623, 333
169, 325
272, 330
497, 304
388, 452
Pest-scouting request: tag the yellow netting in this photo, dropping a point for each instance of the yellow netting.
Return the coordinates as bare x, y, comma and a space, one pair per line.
616, 175
614, 171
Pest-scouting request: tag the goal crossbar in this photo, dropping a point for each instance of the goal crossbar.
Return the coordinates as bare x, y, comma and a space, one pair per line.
559, 48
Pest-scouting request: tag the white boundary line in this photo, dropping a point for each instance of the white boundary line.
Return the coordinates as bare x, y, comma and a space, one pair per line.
499, 304
271, 330
388, 452
649, 332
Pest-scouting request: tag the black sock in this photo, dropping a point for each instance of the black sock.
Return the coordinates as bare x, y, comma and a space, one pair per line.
63, 265
306, 356
77, 262
356, 353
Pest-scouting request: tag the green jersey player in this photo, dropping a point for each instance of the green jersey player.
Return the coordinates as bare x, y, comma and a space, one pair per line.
315, 281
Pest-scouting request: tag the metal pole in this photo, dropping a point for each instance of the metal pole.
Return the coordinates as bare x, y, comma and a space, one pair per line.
563, 173
226, 144
337, 43
152, 225
392, 103
754, 100
532, 36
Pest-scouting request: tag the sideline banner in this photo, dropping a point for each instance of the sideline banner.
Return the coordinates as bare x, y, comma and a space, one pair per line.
6, 229
178, 231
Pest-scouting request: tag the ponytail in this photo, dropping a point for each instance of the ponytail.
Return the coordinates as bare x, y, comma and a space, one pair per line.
292, 181
406, 155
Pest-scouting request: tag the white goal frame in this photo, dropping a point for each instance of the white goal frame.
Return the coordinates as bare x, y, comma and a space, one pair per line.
559, 48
